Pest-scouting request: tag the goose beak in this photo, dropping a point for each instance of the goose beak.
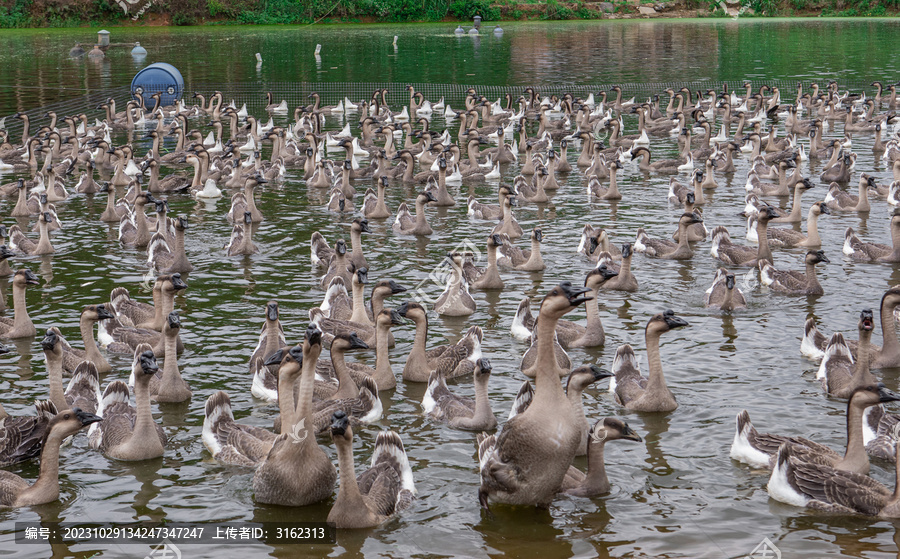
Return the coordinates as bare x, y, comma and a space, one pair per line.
313, 334
148, 363
600, 373
275, 358
85, 417
49, 340
403, 309
364, 226
484, 364
272, 311
606, 272
102, 313
673, 321
573, 294
866, 319
339, 423
396, 318
885, 395
396, 287
30, 278
356, 342
629, 434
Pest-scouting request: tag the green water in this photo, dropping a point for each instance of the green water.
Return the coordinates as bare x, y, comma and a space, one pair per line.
676, 495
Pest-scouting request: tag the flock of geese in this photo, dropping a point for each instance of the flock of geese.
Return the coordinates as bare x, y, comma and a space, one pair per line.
528, 458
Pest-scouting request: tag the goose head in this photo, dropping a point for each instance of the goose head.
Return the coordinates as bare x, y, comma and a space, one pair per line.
537, 234
819, 208
69, 422
610, 429
389, 286
867, 181
665, 321
272, 310
563, 298
348, 341
173, 323
816, 257
691, 218
248, 219
147, 361
584, 376
627, 250
598, 276
766, 213
340, 426
361, 276
360, 224
425, 197
387, 318
495, 240
340, 247
483, 368
729, 281
871, 395
50, 340
25, 277
5, 252
866, 320
411, 310
96, 312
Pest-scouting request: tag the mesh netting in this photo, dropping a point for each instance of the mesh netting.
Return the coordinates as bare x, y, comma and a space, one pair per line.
297, 93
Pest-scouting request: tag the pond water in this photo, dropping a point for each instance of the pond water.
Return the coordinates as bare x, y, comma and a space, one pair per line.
678, 494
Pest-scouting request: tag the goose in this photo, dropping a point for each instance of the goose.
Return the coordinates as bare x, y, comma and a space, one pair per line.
241, 241
114, 210
246, 200
579, 379
723, 294
336, 259
438, 188
359, 321
662, 248
696, 232
595, 241
489, 276
337, 304
168, 386
83, 389
72, 357
374, 206
275, 108
760, 449
461, 413
792, 282
670, 166
737, 255
634, 391
823, 488
164, 259
509, 226
208, 192
678, 192
382, 374
594, 482
795, 215
788, 238
21, 325
526, 463
611, 192
360, 403
134, 229
382, 491
838, 373
874, 252
455, 300
16, 492
523, 260
126, 432
23, 436
86, 183
357, 228
19, 242
841, 201
624, 280
814, 342
5, 255
271, 339
450, 360
407, 224
145, 315
295, 471
839, 172
173, 182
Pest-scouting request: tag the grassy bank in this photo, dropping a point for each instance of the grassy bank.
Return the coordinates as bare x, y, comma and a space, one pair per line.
77, 13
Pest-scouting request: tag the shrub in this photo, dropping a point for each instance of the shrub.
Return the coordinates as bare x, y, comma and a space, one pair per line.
468, 9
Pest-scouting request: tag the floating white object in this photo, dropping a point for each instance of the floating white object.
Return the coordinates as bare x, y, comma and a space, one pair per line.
395, 40
459, 30
258, 58
138, 50
318, 49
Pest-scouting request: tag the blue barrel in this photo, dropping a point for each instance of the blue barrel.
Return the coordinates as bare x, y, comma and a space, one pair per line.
158, 78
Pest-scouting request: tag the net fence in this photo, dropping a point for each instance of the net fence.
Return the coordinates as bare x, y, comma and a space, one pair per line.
253, 94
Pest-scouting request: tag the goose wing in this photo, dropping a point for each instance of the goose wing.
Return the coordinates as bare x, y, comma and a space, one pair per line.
21, 438
784, 237
828, 486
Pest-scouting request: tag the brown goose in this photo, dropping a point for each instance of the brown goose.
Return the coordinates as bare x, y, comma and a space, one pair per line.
760, 449
168, 385
841, 201
72, 357
792, 282
874, 252
241, 241
737, 255
134, 229
451, 360
662, 248
788, 238
83, 390
127, 432
624, 280
840, 376
374, 206
527, 462
407, 224
489, 276
380, 492
455, 299
296, 472
888, 355
523, 260
20, 326
20, 243
166, 259
461, 413
271, 339
22, 437
16, 492
723, 294
634, 391
823, 488
594, 482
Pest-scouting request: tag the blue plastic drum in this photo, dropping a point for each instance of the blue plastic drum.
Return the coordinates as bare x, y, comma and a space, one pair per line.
158, 78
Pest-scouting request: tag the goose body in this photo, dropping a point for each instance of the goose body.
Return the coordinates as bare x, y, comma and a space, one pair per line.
723, 293
791, 282
441, 404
